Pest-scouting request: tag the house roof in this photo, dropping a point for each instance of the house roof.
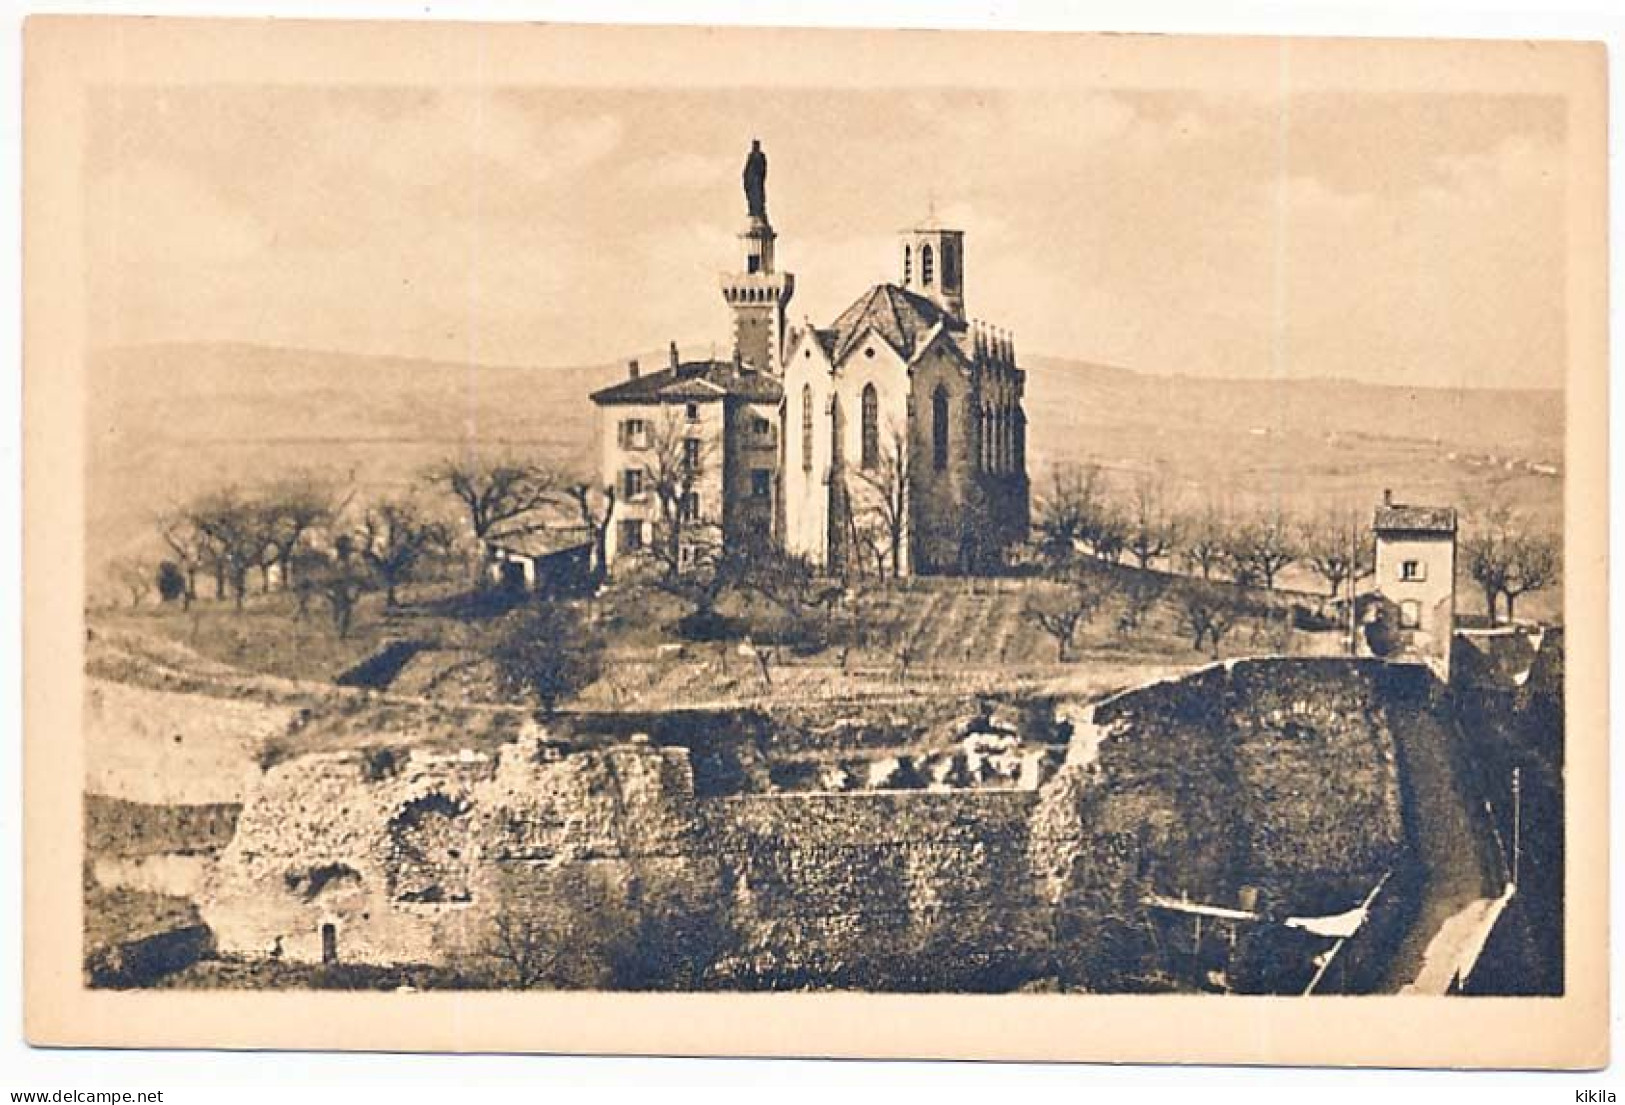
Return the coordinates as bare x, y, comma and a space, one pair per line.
903, 318
694, 381
1400, 518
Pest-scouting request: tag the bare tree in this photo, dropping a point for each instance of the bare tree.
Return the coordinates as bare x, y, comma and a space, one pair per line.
1068, 511
595, 507
553, 928
1506, 561
1062, 614
1204, 541
677, 461
341, 581
1534, 566
1207, 612
793, 585
135, 576
504, 497
190, 548
1108, 533
1338, 546
1259, 550
237, 537
1141, 591
395, 538
293, 508
1152, 529
882, 506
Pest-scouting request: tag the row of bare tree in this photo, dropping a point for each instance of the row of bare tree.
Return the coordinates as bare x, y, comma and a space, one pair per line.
1501, 552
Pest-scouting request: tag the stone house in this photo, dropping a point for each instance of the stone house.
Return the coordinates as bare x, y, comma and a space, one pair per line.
1415, 578
703, 434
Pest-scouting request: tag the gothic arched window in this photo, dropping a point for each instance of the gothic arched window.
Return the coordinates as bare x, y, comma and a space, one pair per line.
939, 428
871, 427
806, 428
927, 266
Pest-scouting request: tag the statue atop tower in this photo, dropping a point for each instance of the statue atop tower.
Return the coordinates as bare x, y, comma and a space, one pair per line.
757, 293
755, 177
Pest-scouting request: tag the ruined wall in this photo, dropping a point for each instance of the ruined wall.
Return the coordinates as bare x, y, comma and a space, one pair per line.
1271, 781
411, 862
898, 890
1274, 774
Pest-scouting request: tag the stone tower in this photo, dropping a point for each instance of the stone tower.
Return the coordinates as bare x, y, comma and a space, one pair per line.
934, 265
759, 294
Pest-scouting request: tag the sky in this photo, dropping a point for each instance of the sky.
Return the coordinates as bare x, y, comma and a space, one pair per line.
1390, 238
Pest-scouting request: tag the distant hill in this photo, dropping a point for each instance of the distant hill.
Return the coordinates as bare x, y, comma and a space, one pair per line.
166, 421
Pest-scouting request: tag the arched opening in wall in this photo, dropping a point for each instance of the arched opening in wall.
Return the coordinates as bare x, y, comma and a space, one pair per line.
806, 428
939, 428
928, 267
950, 266
431, 841
871, 427
330, 944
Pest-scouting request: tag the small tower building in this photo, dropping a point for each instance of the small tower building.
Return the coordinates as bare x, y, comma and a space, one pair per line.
1416, 582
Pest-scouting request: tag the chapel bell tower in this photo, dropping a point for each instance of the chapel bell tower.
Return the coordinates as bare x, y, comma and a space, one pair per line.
759, 293
934, 265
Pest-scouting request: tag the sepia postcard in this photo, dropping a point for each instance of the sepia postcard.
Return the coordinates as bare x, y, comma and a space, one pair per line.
815, 542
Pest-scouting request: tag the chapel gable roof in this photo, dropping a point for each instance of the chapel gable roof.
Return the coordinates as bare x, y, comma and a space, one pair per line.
905, 320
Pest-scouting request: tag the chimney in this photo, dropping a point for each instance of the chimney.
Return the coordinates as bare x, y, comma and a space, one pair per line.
674, 356
1387, 496
632, 369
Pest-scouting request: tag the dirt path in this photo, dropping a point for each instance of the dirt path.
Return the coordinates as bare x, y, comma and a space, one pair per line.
1461, 870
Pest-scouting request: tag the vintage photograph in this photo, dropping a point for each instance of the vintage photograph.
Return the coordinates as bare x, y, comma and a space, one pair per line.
945, 534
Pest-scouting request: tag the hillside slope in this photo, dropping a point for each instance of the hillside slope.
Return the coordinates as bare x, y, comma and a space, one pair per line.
168, 420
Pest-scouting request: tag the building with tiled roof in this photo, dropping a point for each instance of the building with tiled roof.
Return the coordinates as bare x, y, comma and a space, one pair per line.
689, 456
1415, 581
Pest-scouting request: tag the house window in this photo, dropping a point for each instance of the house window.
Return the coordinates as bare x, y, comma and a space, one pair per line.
634, 434
761, 483
692, 412
871, 427
688, 507
691, 453
928, 267
761, 427
1410, 614
806, 428
908, 264
939, 428
1412, 571
632, 483
631, 536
